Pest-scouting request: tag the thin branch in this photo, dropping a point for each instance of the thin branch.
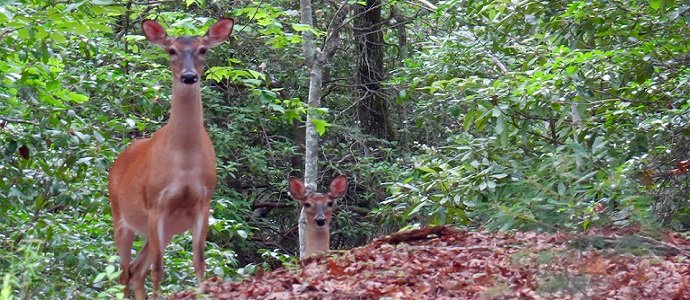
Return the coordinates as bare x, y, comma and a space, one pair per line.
271, 205
498, 62
155, 3
13, 120
356, 16
331, 42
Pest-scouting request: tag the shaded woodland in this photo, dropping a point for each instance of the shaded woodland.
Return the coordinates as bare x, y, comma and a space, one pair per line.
540, 120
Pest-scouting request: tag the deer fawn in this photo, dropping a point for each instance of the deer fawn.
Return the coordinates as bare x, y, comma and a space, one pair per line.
161, 186
319, 209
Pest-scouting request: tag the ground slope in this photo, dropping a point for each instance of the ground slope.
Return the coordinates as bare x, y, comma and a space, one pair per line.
446, 263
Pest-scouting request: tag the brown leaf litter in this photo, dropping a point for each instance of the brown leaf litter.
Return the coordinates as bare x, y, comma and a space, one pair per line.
447, 263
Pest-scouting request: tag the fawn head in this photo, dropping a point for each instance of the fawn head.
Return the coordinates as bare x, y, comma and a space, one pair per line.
319, 207
187, 53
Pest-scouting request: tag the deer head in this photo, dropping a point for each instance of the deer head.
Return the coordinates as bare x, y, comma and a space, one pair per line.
318, 207
187, 53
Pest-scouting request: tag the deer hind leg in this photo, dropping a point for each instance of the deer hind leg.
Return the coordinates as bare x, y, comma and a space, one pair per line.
124, 237
199, 243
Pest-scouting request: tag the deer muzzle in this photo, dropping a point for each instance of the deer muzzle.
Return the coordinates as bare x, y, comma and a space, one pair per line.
189, 75
320, 221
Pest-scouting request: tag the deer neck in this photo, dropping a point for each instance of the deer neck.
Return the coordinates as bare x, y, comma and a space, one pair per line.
318, 240
186, 115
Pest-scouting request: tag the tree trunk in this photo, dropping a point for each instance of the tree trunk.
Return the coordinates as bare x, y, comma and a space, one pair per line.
315, 60
311, 139
372, 106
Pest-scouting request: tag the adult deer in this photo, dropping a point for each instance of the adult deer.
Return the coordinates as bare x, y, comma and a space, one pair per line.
319, 209
162, 186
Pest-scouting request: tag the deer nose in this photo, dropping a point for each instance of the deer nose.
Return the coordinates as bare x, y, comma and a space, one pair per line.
189, 77
320, 221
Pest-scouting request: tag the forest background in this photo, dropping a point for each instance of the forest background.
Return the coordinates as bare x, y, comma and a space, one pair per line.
506, 114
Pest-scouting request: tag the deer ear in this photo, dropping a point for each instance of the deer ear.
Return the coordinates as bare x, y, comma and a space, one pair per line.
338, 187
219, 32
154, 32
297, 189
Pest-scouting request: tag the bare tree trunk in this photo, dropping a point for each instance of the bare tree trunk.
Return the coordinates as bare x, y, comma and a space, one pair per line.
315, 60
372, 106
310, 141
311, 157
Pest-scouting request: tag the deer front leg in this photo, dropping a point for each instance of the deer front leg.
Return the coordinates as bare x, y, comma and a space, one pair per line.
124, 238
156, 245
199, 243
140, 267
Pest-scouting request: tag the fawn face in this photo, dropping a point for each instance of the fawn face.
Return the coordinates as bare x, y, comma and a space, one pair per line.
318, 207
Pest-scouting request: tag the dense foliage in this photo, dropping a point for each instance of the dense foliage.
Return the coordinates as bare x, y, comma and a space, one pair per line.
504, 114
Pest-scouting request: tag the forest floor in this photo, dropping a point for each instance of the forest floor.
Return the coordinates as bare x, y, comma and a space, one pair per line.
447, 263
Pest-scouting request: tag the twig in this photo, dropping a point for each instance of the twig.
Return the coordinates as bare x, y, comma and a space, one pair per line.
13, 120
270, 205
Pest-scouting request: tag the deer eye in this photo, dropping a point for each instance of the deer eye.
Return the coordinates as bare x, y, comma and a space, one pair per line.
202, 51
172, 51
307, 204
330, 203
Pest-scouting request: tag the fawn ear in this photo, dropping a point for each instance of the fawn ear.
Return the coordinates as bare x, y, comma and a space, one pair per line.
297, 189
219, 32
338, 187
154, 32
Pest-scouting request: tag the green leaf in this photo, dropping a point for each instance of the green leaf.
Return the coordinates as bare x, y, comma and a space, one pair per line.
252, 82
571, 69
579, 150
110, 269
427, 170
561, 188
414, 209
586, 177
74, 5
469, 119
99, 277
7, 287
500, 125
585, 224
276, 107
304, 27
58, 37
7, 14
76, 97
655, 4
320, 125
99, 137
